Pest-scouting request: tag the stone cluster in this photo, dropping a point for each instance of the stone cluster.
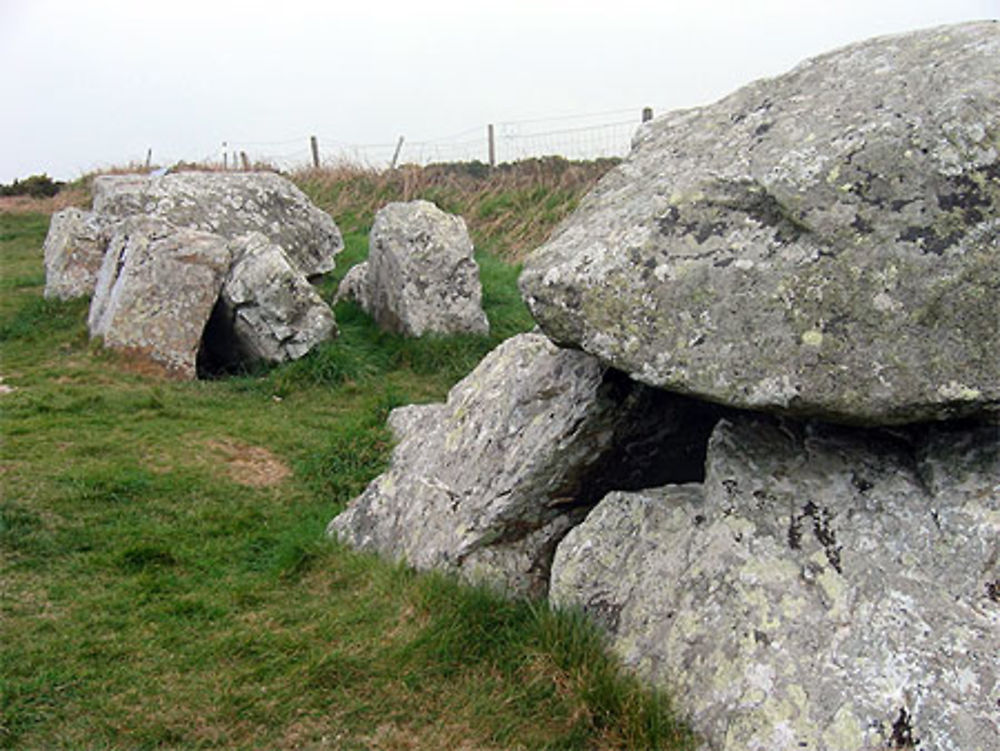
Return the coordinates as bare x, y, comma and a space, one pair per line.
197, 269
767, 460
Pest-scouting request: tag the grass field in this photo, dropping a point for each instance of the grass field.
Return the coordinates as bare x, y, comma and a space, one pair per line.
164, 577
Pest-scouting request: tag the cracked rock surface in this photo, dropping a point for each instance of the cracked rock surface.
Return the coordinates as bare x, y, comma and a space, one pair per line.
267, 311
825, 243
826, 588
485, 484
420, 276
155, 290
229, 204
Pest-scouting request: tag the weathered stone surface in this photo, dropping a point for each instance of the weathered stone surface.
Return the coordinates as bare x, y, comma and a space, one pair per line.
230, 204
825, 588
354, 286
421, 276
267, 311
74, 249
824, 243
487, 483
156, 289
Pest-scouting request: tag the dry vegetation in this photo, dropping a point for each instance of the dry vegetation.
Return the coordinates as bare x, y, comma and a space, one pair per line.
509, 210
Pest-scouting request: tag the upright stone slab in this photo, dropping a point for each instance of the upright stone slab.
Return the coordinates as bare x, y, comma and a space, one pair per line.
74, 249
487, 483
229, 204
156, 289
420, 276
829, 589
267, 311
825, 243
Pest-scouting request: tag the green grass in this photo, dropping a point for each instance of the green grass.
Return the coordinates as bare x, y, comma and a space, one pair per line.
165, 581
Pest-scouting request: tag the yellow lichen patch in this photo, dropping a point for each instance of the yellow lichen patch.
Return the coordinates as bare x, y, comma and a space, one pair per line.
812, 338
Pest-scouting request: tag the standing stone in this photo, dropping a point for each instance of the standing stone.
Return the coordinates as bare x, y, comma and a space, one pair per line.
230, 204
825, 588
267, 311
487, 483
420, 276
825, 243
156, 289
74, 249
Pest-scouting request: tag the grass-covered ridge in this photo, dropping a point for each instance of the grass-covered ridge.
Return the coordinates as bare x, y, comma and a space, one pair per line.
509, 210
165, 581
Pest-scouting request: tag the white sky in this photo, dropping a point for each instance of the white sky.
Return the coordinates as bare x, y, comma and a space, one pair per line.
93, 83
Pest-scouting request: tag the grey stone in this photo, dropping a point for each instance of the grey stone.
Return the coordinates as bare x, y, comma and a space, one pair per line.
230, 204
825, 588
267, 311
824, 243
421, 276
74, 248
156, 289
487, 483
354, 286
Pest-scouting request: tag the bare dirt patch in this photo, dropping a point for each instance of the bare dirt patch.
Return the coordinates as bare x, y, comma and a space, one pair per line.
253, 466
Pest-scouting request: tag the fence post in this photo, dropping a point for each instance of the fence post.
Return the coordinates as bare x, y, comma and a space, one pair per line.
395, 155
314, 144
245, 160
647, 114
493, 145
149, 157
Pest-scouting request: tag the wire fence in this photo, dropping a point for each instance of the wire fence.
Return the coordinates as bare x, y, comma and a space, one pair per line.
591, 136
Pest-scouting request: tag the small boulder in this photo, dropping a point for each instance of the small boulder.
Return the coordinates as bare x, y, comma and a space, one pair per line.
267, 311
155, 290
354, 286
825, 243
486, 484
74, 250
825, 588
420, 276
229, 204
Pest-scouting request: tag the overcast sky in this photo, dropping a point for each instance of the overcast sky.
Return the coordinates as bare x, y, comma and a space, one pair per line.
86, 84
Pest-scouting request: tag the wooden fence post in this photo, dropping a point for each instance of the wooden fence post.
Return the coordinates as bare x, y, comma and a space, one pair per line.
647, 114
395, 156
314, 144
149, 157
493, 145
245, 160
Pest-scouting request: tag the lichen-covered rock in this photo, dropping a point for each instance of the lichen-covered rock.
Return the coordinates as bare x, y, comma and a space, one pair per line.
156, 289
420, 276
229, 204
267, 311
487, 483
824, 243
354, 286
825, 588
74, 250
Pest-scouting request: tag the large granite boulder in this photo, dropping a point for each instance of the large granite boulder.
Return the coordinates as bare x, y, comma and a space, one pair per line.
156, 289
825, 243
420, 276
825, 588
229, 204
486, 484
74, 249
267, 311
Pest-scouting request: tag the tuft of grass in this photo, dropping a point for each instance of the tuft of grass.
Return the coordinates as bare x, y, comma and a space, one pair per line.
161, 587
